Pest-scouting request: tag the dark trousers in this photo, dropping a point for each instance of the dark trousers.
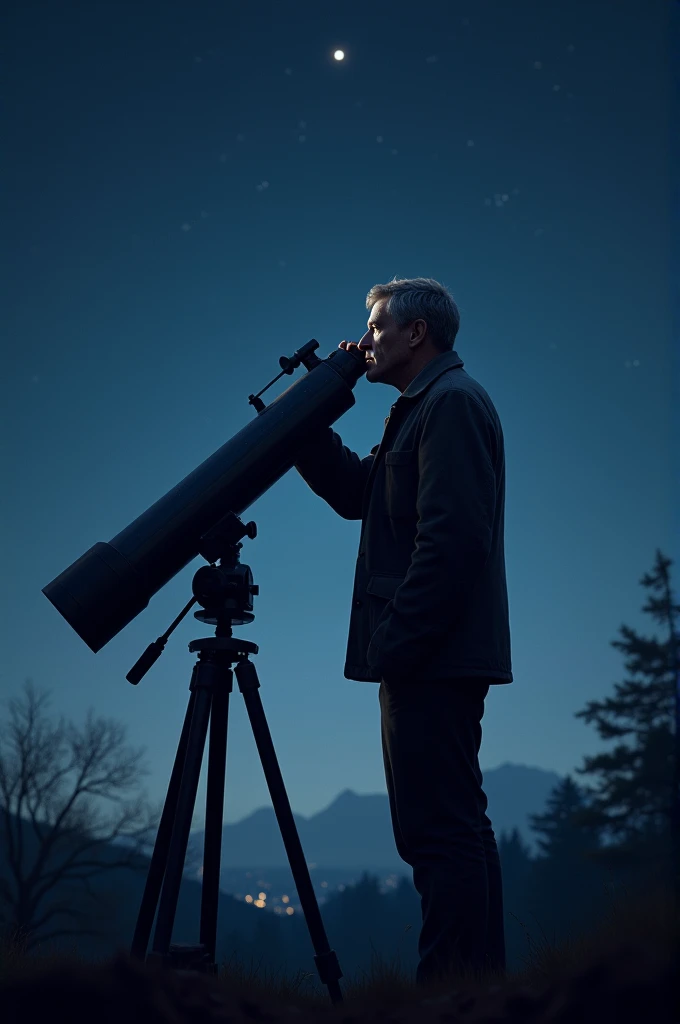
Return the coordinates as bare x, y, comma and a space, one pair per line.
431, 735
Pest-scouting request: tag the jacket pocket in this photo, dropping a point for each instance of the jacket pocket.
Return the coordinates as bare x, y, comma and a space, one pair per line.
380, 590
401, 484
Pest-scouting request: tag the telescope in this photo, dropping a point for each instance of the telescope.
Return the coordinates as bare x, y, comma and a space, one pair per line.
111, 583
104, 589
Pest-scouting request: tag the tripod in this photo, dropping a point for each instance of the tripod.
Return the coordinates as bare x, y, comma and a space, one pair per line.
225, 592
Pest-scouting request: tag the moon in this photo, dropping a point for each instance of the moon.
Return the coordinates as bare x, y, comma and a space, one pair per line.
339, 54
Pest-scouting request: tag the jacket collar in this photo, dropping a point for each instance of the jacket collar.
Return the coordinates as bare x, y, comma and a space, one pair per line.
429, 373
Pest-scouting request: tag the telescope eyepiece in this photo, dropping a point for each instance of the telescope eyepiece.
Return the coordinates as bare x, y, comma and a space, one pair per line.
302, 355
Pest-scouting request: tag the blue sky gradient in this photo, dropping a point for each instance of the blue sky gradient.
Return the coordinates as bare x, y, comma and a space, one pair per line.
518, 153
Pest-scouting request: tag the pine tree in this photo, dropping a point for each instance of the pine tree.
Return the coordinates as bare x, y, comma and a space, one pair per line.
515, 857
565, 889
559, 840
634, 800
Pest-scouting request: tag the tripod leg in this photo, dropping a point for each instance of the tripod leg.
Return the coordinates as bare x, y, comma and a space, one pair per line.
159, 858
201, 683
214, 810
325, 959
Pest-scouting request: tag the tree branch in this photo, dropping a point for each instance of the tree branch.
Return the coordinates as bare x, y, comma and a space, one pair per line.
58, 774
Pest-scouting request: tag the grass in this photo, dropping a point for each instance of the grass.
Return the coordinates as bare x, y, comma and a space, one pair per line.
646, 920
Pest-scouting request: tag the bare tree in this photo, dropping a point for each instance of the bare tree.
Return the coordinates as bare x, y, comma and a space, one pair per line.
66, 794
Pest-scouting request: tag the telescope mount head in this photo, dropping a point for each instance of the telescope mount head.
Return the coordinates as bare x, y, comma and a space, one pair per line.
225, 591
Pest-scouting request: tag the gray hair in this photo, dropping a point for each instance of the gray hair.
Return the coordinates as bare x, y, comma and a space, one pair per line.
420, 298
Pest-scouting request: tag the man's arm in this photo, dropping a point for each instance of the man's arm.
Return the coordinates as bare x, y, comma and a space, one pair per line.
455, 504
335, 473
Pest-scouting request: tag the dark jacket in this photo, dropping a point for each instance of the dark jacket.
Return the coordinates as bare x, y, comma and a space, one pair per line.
430, 596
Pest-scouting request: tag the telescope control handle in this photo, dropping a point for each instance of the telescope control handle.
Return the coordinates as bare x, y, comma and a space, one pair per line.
155, 649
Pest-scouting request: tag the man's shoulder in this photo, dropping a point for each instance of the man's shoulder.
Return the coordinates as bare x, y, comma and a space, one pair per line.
456, 382
463, 388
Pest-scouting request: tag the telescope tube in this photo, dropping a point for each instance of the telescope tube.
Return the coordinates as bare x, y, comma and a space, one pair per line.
109, 585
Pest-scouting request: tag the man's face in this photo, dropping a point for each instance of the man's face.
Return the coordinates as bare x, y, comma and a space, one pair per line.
388, 346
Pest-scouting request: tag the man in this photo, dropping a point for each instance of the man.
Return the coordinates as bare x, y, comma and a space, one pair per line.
429, 618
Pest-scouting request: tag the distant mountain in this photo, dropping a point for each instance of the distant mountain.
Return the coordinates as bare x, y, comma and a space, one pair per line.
356, 831
352, 835
515, 791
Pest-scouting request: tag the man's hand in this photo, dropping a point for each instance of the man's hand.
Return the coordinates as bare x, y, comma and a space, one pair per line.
349, 345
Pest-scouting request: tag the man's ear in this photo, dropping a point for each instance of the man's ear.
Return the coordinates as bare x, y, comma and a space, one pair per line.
418, 341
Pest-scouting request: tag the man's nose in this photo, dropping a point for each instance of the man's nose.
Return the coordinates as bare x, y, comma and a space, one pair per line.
366, 341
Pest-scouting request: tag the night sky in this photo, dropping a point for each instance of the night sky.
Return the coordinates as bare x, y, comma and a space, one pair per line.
197, 189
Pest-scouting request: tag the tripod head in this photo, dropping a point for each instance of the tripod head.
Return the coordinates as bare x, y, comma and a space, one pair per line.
224, 591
